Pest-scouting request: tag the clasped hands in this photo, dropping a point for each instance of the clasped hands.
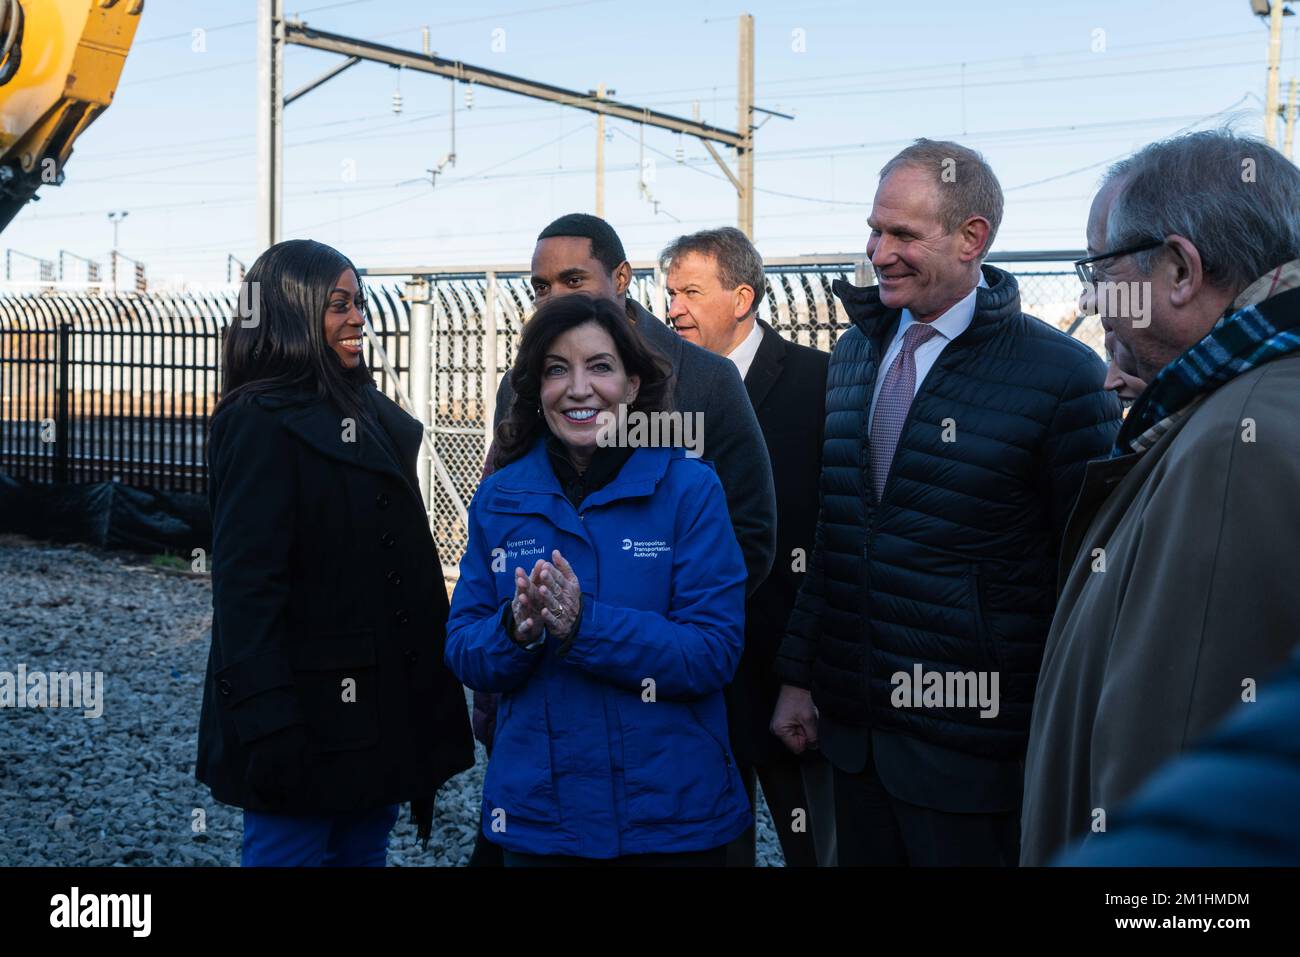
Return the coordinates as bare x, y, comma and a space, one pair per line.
549, 597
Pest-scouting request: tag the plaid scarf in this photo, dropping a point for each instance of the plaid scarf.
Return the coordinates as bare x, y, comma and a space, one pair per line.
1262, 324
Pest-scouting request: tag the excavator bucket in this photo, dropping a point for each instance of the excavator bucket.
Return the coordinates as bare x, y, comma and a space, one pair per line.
60, 61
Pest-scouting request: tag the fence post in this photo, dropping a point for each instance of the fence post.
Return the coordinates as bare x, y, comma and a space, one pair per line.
62, 437
863, 273
489, 359
417, 293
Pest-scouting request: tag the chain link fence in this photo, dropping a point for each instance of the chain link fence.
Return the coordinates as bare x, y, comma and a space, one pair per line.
469, 359
121, 388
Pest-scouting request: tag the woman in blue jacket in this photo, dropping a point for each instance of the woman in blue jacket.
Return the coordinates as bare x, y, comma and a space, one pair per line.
612, 650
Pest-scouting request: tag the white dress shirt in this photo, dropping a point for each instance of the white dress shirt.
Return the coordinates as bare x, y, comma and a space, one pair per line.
743, 354
948, 326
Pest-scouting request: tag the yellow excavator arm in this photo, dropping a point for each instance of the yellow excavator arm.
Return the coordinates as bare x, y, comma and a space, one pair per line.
60, 61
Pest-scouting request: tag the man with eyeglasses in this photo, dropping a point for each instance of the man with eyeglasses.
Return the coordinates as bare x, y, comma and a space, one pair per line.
1125, 385
1177, 602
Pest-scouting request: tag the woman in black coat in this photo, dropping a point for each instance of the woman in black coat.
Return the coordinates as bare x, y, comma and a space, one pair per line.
326, 703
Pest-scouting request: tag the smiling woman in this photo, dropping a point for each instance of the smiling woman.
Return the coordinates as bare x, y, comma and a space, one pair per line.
578, 357
610, 650
345, 319
298, 323
327, 588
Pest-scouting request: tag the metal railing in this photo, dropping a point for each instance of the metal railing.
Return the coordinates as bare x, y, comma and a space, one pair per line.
101, 388
95, 387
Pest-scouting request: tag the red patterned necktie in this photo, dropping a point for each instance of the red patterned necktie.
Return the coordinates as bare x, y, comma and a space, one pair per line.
892, 405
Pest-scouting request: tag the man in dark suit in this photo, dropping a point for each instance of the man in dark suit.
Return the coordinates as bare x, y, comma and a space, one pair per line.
715, 285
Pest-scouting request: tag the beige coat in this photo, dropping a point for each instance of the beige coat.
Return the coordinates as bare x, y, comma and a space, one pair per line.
1199, 599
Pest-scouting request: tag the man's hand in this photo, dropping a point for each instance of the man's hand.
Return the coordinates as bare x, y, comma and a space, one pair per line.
794, 720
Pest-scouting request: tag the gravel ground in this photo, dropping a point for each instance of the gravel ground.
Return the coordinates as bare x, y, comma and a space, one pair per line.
120, 789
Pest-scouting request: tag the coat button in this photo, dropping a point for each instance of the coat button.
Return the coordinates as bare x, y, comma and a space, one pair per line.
394, 578
387, 540
382, 500
411, 657
224, 686
401, 616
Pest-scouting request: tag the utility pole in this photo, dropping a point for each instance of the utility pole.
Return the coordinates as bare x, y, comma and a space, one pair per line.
1290, 118
745, 127
600, 155
1275, 12
270, 121
116, 219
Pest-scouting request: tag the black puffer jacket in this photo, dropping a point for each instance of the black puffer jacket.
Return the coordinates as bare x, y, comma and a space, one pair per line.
955, 569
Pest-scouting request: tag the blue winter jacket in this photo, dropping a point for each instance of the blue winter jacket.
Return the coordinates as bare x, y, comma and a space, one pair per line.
620, 745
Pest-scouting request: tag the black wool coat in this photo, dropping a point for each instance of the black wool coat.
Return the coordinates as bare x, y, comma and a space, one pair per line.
786, 383
329, 608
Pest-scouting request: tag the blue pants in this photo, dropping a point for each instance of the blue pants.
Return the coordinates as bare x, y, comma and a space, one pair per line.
345, 839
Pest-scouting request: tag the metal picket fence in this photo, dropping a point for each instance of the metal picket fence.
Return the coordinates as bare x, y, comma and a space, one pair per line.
100, 387
120, 388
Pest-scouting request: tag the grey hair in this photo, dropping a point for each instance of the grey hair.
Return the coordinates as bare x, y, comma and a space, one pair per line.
967, 186
739, 263
1236, 199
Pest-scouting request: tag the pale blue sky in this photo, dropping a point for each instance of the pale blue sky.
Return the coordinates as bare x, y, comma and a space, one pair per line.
1020, 81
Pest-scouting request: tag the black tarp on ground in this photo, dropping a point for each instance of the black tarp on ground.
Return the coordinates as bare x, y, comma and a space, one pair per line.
107, 514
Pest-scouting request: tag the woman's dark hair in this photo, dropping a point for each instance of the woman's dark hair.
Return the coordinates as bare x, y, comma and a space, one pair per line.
525, 422
276, 339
